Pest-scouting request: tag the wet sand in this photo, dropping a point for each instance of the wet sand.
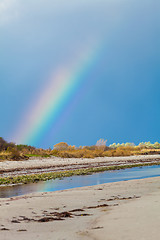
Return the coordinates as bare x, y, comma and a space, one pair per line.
122, 210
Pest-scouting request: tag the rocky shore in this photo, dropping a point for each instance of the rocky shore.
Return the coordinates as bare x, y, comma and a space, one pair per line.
55, 164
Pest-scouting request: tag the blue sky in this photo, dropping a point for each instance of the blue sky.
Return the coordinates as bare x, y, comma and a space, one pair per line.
120, 100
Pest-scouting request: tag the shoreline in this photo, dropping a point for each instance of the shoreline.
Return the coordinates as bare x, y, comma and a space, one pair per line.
34, 178
38, 163
25, 172
131, 207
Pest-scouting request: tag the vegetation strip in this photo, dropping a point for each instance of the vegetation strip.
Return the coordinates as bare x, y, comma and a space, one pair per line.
24, 179
12, 152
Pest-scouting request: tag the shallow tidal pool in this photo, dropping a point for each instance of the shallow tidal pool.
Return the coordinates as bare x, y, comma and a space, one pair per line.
81, 181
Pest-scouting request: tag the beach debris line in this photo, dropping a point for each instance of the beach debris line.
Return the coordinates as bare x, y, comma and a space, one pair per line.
48, 216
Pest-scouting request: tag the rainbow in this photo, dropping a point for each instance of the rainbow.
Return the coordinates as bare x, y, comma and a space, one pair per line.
56, 96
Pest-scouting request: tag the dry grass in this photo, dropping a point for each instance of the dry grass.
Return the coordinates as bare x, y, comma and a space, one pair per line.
93, 153
101, 152
80, 153
10, 151
12, 155
85, 152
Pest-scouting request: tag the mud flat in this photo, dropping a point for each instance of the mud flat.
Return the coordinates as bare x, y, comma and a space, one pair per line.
121, 210
53, 164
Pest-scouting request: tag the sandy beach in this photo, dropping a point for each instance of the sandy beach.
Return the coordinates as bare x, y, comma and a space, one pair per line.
122, 210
